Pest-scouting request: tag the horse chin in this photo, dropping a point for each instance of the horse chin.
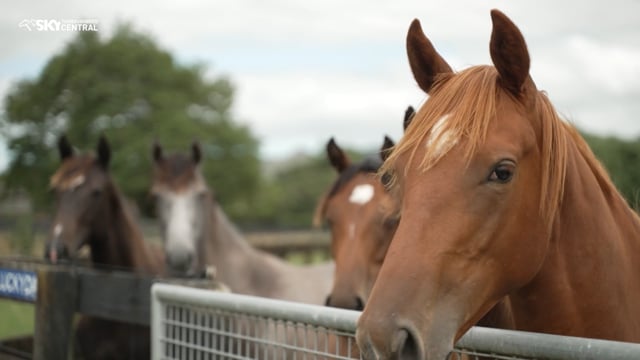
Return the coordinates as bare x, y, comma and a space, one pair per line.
186, 271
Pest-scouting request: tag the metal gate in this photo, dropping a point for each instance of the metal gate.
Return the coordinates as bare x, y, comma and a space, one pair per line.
195, 324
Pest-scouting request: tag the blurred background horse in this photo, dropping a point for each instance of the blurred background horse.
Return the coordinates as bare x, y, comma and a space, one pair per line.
91, 212
197, 234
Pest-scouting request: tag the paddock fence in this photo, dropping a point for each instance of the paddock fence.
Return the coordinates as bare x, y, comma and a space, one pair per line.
196, 324
59, 291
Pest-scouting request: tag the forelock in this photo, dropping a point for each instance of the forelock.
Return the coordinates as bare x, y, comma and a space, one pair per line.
72, 172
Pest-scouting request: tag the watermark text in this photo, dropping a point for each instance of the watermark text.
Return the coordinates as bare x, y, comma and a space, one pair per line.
59, 24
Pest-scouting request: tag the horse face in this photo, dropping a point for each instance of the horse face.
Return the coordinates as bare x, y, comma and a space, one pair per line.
468, 175
182, 223
361, 229
360, 214
180, 194
81, 185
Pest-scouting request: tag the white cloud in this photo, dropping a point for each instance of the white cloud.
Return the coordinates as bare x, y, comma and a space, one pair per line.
304, 110
614, 67
306, 71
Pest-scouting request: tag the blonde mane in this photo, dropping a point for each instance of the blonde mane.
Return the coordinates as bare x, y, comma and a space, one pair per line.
473, 94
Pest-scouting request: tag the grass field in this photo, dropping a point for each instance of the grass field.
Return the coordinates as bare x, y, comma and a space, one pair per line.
16, 318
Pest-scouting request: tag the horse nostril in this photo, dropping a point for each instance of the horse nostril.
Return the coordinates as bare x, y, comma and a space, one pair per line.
359, 304
327, 302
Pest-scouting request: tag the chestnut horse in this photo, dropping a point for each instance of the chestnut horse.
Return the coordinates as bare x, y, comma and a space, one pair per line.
198, 235
359, 212
499, 197
91, 212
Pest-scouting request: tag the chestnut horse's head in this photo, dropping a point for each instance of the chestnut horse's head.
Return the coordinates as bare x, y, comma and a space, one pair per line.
358, 210
83, 189
479, 174
181, 195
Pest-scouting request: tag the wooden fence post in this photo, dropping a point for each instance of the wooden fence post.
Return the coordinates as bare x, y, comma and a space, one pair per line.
55, 306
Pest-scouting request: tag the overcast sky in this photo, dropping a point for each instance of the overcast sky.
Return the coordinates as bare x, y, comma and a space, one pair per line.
308, 70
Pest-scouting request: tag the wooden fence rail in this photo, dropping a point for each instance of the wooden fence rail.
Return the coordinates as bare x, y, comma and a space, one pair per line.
60, 291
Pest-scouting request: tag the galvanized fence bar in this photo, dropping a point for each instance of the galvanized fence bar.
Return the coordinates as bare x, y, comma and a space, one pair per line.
528, 345
228, 318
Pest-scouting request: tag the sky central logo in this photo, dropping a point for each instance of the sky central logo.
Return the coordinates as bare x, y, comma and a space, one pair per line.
28, 24
59, 25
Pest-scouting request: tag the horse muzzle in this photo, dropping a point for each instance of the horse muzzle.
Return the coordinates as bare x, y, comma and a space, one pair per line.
353, 302
403, 344
180, 262
55, 251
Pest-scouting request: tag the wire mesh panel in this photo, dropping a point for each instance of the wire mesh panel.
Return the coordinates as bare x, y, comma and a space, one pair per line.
195, 324
192, 324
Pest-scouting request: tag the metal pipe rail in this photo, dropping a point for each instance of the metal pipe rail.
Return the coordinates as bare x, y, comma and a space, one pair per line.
190, 323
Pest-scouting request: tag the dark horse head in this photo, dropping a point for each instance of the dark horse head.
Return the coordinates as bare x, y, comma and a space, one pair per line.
83, 188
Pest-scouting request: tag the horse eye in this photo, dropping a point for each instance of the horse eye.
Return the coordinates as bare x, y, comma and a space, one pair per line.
96, 192
502, 173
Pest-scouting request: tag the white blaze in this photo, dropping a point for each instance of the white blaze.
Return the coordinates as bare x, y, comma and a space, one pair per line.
352, 230
77, 181
57, 230
440, 139
362, 194
179, 224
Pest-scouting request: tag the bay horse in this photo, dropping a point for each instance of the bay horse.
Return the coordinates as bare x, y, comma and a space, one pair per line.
198, 235
91, 212
499, 197
359, 213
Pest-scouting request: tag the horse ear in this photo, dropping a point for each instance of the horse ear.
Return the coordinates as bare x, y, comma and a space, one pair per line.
426, 63
509, 52
104, 152
196, 152
338, 159
385, 150
408, 116
157, 152
64, 147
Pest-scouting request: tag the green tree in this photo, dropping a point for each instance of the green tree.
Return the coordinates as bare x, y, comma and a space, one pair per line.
621, 158
288, 197
134, 92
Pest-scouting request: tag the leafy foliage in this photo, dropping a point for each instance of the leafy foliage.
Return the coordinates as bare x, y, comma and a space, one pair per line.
288, 198
621, 158
134, 92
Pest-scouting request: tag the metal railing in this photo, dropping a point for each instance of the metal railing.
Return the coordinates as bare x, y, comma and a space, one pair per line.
195, 324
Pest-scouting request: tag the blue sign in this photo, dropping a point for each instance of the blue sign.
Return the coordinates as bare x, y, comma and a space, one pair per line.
18, 284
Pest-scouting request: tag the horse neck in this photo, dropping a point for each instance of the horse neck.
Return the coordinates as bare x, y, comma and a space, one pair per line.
115, 240
592, 261
236, 262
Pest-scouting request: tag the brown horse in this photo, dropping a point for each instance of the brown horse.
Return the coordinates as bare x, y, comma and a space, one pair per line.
91, 212
198, 235
362, 217
499, 198
359, 212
